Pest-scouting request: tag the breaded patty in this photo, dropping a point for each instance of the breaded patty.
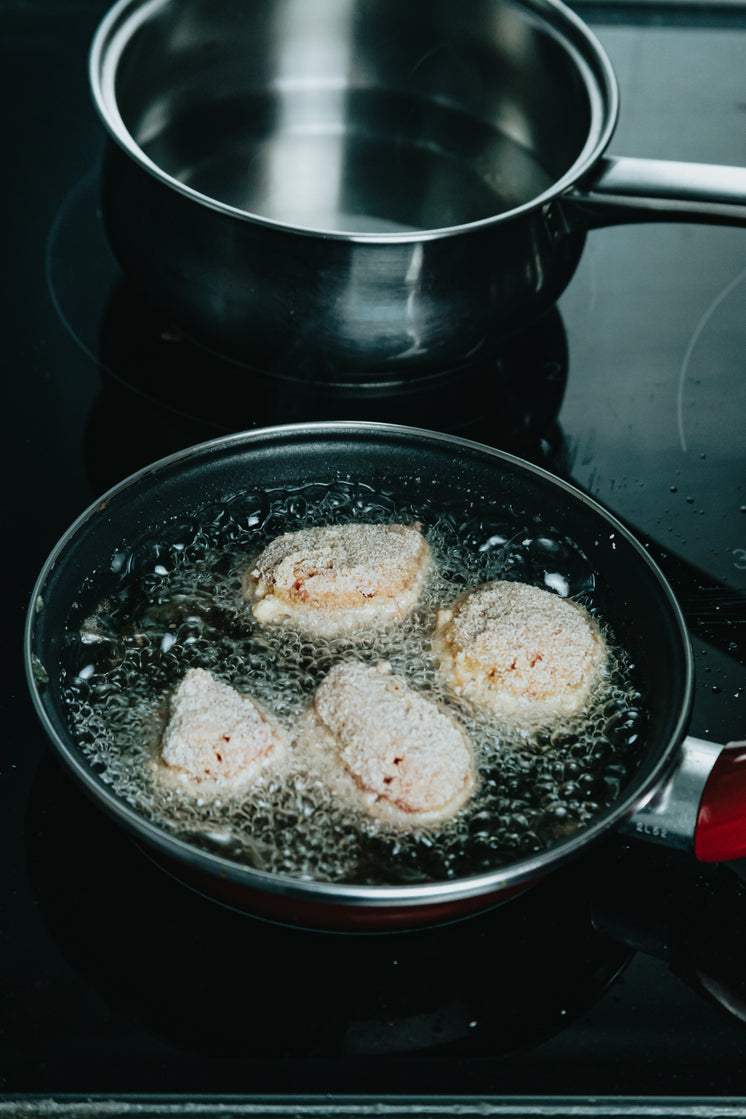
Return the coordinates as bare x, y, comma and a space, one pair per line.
517, 649
216, 738
332, 578
408, 759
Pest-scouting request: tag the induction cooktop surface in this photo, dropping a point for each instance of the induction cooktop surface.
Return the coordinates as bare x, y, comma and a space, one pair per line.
621, 979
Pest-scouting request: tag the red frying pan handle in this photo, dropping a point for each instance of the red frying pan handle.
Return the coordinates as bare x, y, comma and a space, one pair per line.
701, 807
721, 821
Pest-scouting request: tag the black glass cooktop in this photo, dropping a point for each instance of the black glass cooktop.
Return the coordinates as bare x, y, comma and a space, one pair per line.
620, 982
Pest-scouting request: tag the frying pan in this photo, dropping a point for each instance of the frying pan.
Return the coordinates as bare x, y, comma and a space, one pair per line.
681, 791
364, 191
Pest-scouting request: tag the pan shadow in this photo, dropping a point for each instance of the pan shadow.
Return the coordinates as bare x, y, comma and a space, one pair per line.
179, 965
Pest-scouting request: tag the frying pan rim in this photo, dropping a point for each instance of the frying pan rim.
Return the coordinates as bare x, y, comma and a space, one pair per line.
573, 33
523, 870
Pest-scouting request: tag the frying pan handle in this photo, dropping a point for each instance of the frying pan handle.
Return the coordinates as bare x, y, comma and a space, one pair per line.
702, 807
721, 820
623, 189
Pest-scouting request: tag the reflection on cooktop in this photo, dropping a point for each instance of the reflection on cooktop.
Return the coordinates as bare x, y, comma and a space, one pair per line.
167, 395
161, 391
694, 918
513, 396
216, 981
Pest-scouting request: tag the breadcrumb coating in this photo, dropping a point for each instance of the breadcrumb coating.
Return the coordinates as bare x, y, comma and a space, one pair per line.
518, 649
332, 578
216, 738
409, 760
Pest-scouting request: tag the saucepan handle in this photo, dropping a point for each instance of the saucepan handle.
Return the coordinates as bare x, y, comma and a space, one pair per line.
702, 806
623, 189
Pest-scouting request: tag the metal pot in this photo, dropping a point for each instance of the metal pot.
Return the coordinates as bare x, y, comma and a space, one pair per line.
365, 190
682, 791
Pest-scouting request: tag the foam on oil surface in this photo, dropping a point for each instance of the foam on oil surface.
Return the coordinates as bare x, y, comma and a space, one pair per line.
179, 605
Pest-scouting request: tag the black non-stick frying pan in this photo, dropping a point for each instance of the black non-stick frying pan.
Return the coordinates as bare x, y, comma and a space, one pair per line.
678, 790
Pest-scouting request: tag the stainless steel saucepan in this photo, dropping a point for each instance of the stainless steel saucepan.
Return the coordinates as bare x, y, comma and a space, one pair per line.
366, 190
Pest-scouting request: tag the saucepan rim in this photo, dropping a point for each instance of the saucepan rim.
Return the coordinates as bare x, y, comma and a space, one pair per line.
591, 61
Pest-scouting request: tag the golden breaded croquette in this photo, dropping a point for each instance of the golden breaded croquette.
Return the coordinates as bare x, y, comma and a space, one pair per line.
332, 578
409, 760
517, 649
217, 739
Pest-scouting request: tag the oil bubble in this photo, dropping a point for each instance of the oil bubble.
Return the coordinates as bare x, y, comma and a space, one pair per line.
178, 605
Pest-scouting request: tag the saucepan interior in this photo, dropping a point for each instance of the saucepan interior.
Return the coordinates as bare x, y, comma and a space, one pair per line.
350, 116
134, 532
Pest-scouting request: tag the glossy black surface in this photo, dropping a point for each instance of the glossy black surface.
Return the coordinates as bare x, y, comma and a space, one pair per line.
116, 980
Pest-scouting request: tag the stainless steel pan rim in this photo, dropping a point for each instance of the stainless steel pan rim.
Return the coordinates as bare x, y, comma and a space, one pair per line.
123, 20
513, 875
